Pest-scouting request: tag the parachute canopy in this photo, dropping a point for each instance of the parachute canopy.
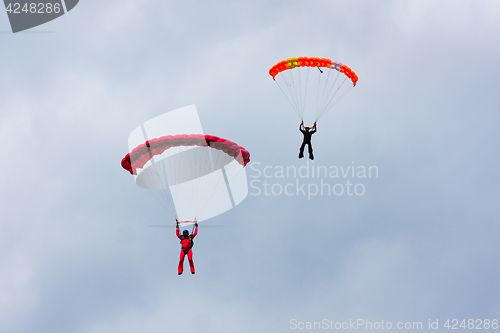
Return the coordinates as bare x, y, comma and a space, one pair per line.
143, 153
193, 176
311, 90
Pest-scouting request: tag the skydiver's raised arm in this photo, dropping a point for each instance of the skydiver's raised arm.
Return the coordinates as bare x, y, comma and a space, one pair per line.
315, 129
195, 231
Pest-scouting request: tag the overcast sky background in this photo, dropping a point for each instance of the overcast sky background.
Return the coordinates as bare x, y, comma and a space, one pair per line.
76, 250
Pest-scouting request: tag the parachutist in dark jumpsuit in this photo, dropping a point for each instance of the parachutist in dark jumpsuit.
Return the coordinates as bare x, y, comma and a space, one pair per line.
307, 139
186, 245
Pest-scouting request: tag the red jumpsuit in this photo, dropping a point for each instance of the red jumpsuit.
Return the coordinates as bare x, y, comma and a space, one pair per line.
186, 244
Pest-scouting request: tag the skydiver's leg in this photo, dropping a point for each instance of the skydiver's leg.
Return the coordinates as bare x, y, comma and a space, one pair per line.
191, 263
181, 263
311, 156
301, 150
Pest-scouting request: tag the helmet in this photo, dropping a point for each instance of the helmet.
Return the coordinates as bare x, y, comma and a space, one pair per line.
185, 232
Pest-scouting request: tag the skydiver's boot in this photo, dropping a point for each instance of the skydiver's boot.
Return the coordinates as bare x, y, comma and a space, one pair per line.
311, 156
301, 150
191, 264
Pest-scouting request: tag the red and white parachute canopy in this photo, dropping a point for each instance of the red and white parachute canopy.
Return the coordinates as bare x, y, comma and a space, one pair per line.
145, 152
313, 85
194, 176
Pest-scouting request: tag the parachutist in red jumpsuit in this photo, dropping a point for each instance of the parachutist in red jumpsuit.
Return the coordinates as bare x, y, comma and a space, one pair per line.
307, 139
186, 245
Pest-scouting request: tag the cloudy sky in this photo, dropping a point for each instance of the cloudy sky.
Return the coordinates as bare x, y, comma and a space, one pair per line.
76, 250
